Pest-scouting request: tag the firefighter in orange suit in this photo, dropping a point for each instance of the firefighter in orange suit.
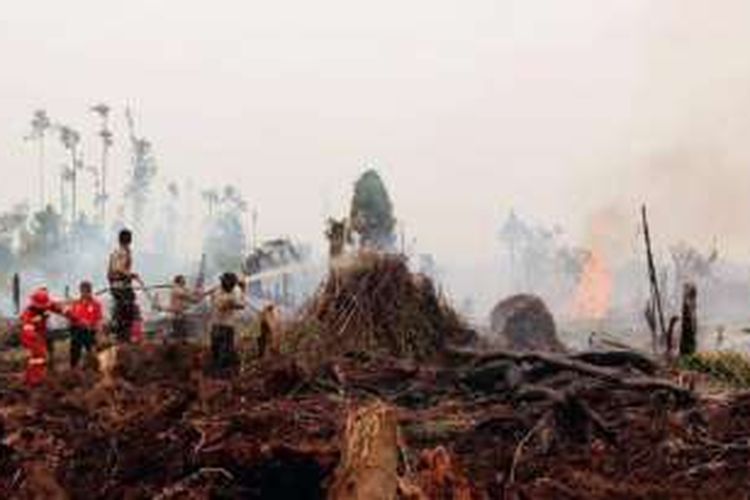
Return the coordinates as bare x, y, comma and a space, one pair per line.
34, 334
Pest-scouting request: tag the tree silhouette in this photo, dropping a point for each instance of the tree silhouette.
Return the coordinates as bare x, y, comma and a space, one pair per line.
105, 134
170, 221
225, 234
66, 176
95, 174
143, 170
211, 197
70, 139
45, 231
40, 123
11, 223
371, 212
232, 200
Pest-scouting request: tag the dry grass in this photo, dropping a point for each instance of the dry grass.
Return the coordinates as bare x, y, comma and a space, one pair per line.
730, 368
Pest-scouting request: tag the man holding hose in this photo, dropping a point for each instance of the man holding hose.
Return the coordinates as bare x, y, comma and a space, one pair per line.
125, 312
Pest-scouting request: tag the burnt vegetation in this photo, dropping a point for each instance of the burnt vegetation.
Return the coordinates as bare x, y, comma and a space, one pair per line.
376, 372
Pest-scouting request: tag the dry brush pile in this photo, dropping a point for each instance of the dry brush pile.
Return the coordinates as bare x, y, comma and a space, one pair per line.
374, 303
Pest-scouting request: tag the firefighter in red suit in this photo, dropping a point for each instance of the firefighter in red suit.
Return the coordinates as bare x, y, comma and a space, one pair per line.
34, 334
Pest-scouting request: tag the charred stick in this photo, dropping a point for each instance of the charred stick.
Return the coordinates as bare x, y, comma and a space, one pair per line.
653, 280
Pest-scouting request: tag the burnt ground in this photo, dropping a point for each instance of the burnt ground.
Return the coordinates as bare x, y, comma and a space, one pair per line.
515, 426
470, 423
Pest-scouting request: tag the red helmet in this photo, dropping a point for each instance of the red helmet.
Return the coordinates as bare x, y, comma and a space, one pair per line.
40, 298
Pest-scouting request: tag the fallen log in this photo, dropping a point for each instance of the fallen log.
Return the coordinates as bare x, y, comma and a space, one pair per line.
554, 363
619, 358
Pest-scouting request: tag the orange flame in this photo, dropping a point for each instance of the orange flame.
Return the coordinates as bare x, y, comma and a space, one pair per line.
594, 291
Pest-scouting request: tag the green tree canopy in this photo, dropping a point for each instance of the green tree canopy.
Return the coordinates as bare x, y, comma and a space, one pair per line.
371, 212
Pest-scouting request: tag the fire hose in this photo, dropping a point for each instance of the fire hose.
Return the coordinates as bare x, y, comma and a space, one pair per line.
142, 287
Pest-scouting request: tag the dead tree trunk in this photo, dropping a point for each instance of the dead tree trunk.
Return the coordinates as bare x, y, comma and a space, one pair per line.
689, 323
654, 282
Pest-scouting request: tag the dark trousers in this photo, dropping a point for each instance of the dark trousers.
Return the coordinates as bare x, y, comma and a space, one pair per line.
124, 312
179, 328
223, 354
263, 339
50, 351
80, 339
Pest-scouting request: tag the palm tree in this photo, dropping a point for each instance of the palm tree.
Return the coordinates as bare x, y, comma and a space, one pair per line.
95, 174
232, 199
211, 197
254, 228
233, 202
106, 135
515, 234
70, 139
39, 125
143, 170
66, 175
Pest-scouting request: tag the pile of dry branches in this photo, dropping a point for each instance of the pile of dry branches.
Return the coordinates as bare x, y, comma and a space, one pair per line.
375, 303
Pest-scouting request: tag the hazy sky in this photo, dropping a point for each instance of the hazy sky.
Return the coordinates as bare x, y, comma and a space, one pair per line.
563, 109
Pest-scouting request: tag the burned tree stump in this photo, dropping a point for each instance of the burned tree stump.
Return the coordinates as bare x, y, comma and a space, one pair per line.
689, 323
523, 322
368, 469
338, 235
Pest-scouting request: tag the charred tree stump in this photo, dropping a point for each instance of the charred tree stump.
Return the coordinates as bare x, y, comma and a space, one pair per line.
669, 353
368, 469
689, 323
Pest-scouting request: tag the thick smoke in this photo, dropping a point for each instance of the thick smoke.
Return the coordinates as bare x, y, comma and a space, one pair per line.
560, 109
